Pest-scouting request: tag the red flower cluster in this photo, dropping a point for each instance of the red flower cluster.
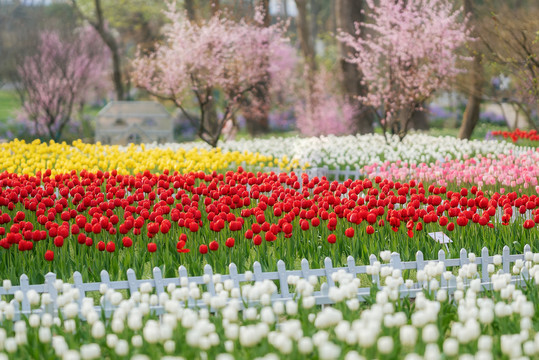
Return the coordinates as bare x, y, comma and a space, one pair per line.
243, 205
517, 134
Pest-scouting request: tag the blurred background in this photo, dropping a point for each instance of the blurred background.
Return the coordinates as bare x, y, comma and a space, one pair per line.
45, 44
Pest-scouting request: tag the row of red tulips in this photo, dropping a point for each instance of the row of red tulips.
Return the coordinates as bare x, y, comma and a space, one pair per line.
518, 134
264, 217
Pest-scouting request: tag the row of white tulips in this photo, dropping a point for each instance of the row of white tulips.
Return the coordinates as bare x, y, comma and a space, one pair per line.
466, 324
360, 150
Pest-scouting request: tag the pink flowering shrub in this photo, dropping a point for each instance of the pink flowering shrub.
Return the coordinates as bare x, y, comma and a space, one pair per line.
324, 112
196, 59
58, 77
408, 52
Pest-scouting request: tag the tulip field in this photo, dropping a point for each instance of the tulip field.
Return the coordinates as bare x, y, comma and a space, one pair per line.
87, 208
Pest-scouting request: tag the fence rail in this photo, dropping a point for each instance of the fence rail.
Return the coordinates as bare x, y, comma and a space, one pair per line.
330, 174
207, 281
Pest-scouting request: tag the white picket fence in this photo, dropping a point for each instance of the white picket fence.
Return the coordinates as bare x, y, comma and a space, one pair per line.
330, 174
206, 282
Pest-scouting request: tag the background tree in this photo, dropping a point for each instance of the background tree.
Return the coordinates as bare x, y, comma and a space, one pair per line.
59, 76
256, 107
348, 12
410, 53
117, 22
510, 37
329, 114
20, 29
470, 118
217, 54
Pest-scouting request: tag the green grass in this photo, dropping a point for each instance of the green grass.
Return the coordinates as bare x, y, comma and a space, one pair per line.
479, 132
9, 103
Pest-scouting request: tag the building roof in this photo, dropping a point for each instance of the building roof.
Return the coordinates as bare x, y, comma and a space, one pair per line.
139, 109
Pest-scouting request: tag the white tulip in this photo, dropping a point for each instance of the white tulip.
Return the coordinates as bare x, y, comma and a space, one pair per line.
451, 347
121, 348
408, 335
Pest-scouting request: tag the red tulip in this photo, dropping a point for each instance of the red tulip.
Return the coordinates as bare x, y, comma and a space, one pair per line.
58, 241
49, 255
257, 240
332, 238
101, 246
111, 246
462, 221
528, 224
214, 245
193, 227
269, 236
203, 249
152, 247
180, 247
127, 242
229, 242
369, 230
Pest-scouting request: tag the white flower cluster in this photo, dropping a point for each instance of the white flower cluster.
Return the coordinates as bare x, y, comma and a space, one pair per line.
359, 150
249, 319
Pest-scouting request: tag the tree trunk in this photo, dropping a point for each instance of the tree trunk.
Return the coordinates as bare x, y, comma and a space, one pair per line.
419, 120
110, 42
305, 40
315, 9
267, 16
190, 9
210, 121
347, 12
307, 50
116, 69
214, 6
470, 118
257, 120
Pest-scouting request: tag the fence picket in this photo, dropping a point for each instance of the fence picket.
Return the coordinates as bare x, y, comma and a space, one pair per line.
233, 271
328, 267
375, 277
50, 278
105, 303
25, 286
132, 281
305, 269
283, 279
441, 259
79, 285
420, 265
484, 265
209, 285
351, 265
158, 278
506, 262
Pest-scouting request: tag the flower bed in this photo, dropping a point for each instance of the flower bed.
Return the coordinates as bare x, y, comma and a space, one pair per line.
518, 134
465, 321
99, 208
29, 158
88, 222
361, 150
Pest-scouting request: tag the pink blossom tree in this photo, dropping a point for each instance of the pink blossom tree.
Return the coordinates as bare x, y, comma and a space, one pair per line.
408, 52
321, 110
216, 56
57, 78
